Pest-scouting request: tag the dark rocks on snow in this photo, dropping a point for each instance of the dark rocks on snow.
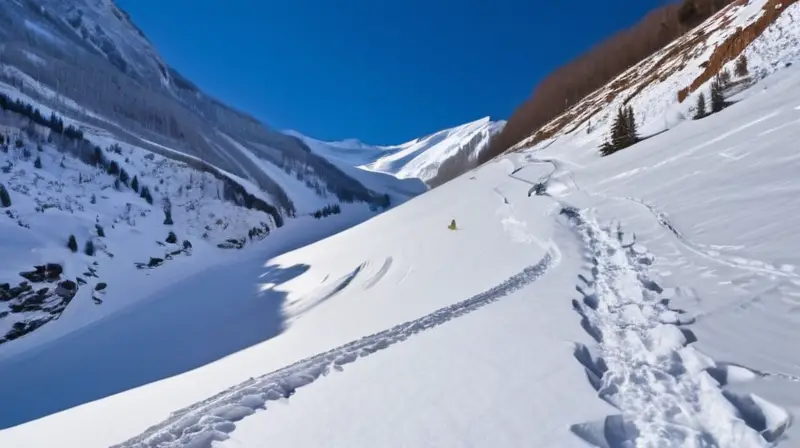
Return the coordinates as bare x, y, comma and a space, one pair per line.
50, 272
232, 243
259, 233
22, 328
67, 289
100, 286
171, 238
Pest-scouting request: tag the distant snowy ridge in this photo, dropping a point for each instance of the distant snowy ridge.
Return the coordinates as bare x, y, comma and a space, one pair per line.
434, 158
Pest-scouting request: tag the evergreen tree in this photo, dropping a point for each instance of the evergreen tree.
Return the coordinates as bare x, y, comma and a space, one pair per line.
623, 132
167, 212
741, 66
145, 194
99, 158
124, 177
619, 129
606, 148
89, 248
5, 198
700, 109
100, 231
632, 134
38, 162
135, 184
725, 77
717, 96
72, 243
94, 199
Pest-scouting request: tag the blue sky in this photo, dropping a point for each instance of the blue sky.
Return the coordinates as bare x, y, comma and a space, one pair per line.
381, 71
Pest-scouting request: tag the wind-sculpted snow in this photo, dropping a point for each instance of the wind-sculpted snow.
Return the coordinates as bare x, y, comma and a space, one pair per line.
213, 419
668, 393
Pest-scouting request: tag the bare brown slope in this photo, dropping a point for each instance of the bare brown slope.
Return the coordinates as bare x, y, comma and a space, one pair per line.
569, 84
733, 46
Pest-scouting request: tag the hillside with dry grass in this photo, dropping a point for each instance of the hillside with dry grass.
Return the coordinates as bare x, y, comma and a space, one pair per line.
662, 51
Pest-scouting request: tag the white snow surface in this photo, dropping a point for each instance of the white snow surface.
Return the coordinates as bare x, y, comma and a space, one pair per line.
419, 158
649, 298
646, 299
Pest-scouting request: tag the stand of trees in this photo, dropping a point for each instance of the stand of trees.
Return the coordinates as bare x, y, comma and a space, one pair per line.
623, 132
326, 211
718, 101
568, 84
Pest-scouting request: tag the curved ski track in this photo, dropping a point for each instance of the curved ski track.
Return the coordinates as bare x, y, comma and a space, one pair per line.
711, 253
202, 423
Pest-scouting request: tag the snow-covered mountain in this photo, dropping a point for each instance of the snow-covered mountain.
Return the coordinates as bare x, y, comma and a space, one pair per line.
88, 61
435, 158
647, 298
101, 140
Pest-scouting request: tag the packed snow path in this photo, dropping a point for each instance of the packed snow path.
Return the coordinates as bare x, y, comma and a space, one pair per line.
213, 419
663, 387
669, 393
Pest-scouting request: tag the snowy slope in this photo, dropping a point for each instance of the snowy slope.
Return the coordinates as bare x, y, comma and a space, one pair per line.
650, 296
654, 87
420, 158
60, 187
89, 62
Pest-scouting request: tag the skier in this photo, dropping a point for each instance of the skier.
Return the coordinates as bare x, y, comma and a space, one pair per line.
452, 225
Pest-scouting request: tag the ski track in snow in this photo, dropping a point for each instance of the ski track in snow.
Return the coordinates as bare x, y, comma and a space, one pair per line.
709, 252
668, 393
202, 423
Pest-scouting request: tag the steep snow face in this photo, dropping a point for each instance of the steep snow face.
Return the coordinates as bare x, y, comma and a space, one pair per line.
99, 27
644, 299
420, 158
89, 62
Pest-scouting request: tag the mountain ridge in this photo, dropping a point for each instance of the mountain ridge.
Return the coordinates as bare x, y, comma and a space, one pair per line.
435, 158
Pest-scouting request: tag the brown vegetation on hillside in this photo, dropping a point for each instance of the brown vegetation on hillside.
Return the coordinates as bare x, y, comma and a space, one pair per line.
735, 44
570, 83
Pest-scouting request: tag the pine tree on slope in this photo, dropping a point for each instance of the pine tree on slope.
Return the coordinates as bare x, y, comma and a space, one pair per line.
717, 96
700, 109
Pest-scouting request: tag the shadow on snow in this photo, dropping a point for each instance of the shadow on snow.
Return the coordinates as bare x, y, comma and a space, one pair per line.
192, 323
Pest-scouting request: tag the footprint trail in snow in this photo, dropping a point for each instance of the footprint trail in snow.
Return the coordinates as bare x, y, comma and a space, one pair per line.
669, 394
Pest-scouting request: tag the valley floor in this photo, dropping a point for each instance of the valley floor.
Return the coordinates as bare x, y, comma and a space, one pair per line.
650, 298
